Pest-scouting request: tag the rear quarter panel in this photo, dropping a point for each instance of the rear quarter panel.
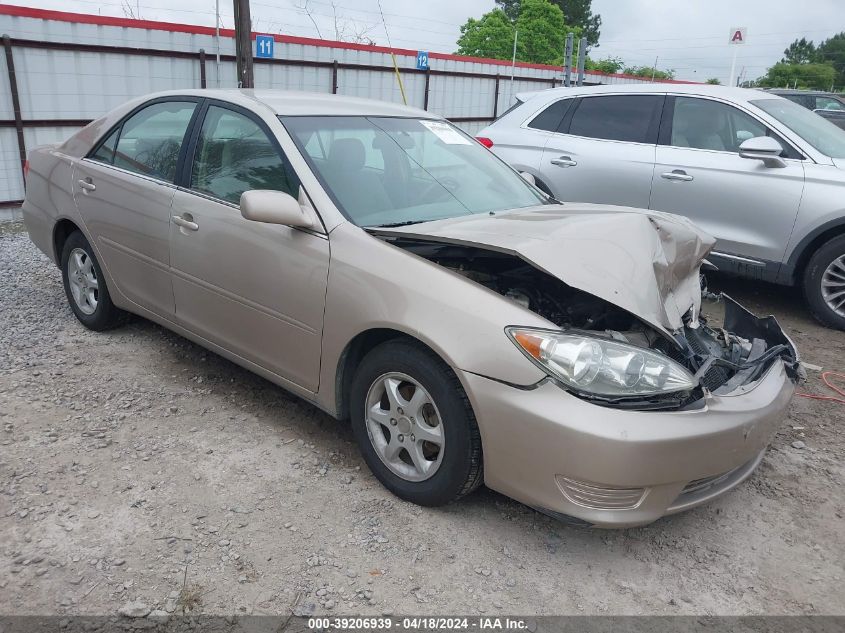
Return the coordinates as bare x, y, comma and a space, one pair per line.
49, 197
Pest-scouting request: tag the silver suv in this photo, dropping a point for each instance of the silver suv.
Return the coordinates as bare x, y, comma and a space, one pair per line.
762, 174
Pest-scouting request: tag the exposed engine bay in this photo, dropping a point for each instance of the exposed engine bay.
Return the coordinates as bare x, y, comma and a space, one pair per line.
721, 358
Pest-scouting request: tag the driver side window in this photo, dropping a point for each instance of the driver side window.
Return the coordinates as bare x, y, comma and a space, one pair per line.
706, 124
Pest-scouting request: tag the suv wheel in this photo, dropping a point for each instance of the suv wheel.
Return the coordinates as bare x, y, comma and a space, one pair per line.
414, 424
85, 286
824, 283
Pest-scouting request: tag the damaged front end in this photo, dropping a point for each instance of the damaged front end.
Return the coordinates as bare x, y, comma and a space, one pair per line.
717, 360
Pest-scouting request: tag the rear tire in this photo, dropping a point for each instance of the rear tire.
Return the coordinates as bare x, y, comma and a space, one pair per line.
85, 286
824, 283
452, 461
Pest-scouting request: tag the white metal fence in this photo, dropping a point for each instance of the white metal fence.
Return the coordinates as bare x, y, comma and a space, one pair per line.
71, 68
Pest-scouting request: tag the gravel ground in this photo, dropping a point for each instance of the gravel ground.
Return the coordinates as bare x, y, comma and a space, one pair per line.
140, 472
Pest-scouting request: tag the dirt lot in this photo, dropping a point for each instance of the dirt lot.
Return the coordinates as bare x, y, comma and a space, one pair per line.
136, 466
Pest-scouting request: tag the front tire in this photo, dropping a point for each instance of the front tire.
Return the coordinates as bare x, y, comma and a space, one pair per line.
414, 424
824, 283
85, 286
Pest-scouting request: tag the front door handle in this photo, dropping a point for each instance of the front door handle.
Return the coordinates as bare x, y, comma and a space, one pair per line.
86, 185
564, 161
186, 221
676, 174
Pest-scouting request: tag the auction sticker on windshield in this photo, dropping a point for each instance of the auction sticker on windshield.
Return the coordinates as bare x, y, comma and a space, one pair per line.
446, 133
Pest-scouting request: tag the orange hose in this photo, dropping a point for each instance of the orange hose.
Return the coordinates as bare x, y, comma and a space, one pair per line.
839, 390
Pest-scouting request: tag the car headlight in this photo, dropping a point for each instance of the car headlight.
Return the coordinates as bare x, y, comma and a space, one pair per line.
600, 366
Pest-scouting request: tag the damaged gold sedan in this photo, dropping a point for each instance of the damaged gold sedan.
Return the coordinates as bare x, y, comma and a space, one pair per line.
378, 262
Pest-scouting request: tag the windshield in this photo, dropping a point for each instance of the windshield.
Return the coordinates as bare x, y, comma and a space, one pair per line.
388, 171
817, 131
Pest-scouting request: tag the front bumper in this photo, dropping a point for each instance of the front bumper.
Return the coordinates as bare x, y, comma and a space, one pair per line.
622, 468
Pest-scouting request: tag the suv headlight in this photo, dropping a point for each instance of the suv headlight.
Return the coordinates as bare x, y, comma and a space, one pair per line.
600, 366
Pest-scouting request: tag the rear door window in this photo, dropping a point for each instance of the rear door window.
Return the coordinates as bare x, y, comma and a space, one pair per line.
630, 118
150, 140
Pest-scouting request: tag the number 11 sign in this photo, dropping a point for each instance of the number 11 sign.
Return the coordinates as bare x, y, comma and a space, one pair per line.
264, 46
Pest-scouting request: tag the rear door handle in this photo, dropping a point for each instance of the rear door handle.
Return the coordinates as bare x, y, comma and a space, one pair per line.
676, 174
564, 161
186, 221
86, 185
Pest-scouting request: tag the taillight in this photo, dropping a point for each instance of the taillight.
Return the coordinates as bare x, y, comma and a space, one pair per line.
486, 142
26, 169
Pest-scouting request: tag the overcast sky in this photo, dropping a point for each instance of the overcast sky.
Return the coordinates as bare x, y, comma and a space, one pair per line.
690, 36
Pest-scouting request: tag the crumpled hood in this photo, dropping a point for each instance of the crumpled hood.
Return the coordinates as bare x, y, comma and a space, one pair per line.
645, 262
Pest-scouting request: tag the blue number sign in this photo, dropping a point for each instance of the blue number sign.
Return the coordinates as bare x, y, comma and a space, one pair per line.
264, 46
422, 60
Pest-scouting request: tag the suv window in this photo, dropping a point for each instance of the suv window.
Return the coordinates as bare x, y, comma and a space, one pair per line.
829, 103
550, 118
631, 118
706, 124
234, 155
148, 142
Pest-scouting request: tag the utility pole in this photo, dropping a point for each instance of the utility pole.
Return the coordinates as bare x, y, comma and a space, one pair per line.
582, 58
243, 44
567, 60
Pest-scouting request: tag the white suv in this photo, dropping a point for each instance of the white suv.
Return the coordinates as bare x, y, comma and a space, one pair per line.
763, 175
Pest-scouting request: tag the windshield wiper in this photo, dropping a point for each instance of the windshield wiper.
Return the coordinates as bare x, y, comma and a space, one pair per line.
395, 224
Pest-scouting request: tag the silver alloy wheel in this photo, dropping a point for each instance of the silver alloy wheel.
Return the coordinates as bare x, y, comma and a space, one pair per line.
82, 278
404, 426
833, 286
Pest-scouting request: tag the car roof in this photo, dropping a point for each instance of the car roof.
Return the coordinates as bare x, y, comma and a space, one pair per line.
796, 91
724, 92
297, 103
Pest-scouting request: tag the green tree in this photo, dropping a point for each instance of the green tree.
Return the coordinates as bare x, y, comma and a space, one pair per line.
811, 76
542, 34
576, 13
800, 52
490, 36
832, 51
649, 72
714, 81
609, 65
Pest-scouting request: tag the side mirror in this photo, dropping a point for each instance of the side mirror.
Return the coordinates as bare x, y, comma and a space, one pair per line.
273, 207
763, 148
528, 177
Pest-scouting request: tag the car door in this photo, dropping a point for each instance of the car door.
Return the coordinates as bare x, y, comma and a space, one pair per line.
748, 207
603, 150
521, 146
255, 289
123, 190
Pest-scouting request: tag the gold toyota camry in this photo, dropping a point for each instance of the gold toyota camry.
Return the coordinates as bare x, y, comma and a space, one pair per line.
383, 265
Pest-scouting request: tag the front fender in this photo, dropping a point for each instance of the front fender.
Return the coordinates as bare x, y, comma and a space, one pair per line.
374, 285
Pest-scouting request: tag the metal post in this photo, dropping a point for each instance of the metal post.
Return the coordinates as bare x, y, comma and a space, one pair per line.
496, 97
243, 44
16, 102
567, 59
217, 38
582, 58
733, 70
334, 77
203, 83
427, 83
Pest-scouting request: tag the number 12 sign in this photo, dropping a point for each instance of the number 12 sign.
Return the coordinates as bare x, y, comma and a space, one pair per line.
264, 46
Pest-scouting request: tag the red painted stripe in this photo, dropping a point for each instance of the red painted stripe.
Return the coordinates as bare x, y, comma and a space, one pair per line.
101, 20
